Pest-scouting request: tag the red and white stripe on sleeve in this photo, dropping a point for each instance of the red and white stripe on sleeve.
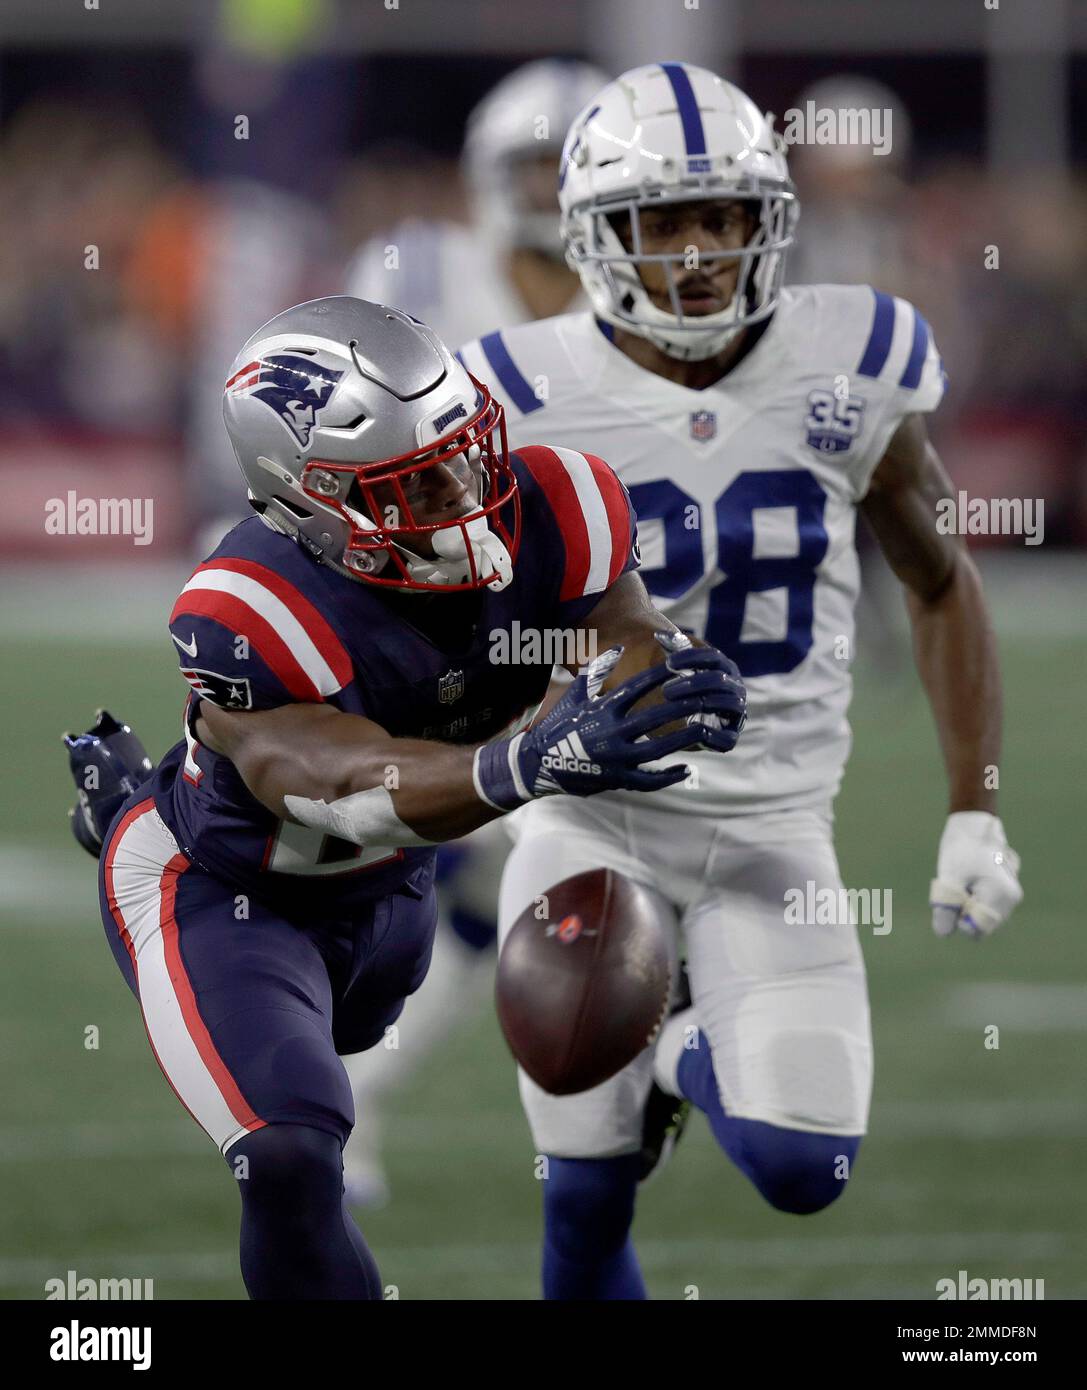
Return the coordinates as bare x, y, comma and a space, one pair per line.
593, 512
280, 624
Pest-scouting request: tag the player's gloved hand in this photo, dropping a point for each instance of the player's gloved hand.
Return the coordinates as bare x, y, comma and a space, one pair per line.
108, 763
592, 742
716, 682
977, 876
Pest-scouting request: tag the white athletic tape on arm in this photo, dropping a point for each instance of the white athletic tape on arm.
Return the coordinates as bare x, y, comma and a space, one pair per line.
364, 818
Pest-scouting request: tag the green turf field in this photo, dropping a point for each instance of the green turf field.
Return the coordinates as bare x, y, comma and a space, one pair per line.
974, 1159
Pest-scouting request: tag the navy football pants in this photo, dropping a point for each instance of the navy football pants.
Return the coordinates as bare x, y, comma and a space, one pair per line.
247, 1014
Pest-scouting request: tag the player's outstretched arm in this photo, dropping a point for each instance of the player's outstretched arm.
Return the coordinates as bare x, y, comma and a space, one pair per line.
344, 774
420, 790
976, 885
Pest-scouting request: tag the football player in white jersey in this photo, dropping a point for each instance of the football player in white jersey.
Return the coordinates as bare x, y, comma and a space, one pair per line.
508, 267
750, 423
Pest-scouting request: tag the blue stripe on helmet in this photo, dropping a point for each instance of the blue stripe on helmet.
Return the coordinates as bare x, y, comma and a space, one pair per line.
879, 340
693, 134
508, 373
911, 376
573, 148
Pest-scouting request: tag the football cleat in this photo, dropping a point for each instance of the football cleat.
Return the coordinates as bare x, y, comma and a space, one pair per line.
108, 763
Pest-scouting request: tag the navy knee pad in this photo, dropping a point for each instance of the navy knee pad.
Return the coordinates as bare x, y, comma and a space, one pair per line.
296, 1166
297, 1239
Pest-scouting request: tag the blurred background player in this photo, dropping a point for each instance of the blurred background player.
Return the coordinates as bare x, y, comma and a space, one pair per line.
750, 424
507, 267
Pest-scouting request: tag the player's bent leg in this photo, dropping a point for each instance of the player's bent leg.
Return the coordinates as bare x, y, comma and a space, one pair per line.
588, 1210
238, 1010
592, 1140
781, 1057
796, 1170
298, 1240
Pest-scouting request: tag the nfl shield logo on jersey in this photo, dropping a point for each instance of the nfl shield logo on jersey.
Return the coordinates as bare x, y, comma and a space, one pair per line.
703, 424
450, 687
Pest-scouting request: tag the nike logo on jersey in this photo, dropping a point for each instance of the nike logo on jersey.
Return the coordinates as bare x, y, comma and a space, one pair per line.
189, 647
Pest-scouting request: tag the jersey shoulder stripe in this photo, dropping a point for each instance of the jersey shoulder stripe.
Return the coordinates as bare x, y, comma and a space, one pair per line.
281, 624
911, 373
510, 376
894, 323
593, 513
878, 347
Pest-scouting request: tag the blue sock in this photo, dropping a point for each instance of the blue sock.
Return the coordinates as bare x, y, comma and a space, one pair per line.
795, 1171
588, 1210
298, 1240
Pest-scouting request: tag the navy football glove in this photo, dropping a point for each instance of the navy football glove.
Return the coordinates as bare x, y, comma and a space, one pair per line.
591, 742
716, 685
108, 763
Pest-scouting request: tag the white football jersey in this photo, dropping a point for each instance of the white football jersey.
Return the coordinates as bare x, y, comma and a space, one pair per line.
442, 273
746, 498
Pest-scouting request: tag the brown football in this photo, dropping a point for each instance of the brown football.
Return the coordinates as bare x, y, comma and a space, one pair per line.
583, 981
639, 656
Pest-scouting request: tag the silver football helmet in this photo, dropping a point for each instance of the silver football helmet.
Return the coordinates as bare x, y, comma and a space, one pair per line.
348, 420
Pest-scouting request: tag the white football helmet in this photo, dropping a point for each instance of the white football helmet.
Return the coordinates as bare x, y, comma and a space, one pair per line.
673, 133
526, 115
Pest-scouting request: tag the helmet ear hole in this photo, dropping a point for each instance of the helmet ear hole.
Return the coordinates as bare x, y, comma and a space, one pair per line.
292, 507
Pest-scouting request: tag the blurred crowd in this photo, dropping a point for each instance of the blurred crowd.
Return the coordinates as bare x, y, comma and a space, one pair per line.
131, 276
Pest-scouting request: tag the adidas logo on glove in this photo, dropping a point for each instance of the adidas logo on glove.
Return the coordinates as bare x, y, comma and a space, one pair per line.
555, 761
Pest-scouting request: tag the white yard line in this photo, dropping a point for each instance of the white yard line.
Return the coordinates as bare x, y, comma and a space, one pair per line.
1017, 1006
60, 885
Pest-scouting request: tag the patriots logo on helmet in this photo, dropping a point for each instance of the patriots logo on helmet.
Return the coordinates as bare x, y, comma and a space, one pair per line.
294, 387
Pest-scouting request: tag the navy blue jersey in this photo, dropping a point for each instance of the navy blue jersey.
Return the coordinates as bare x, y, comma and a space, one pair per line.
262, 624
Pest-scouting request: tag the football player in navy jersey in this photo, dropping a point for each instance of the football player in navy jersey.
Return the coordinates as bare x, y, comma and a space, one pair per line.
268, 890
